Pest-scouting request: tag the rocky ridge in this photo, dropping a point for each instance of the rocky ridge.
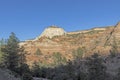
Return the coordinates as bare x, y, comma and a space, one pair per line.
55, 39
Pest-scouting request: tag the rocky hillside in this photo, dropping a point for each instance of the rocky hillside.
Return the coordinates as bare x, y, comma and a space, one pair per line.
55, 39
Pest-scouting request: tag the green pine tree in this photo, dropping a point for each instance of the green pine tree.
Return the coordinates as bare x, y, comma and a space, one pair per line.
38, 52
11, 52
78, 53
58, 58
14, 58
2, 44
23, 69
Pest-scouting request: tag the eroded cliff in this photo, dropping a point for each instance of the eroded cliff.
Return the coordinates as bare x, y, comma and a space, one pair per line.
54, 39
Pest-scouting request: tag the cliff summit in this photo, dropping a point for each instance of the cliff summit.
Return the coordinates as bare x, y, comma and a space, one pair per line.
52, 31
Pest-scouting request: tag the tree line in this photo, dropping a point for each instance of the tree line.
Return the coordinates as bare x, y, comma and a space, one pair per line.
13, 58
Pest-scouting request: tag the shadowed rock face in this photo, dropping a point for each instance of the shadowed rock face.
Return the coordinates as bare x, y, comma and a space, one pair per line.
94, 40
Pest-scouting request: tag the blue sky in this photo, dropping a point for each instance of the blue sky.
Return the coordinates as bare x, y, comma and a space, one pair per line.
28, 18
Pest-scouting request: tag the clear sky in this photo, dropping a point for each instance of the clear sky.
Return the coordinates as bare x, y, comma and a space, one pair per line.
28, 18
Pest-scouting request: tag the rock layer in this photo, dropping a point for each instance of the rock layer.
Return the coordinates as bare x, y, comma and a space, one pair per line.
94, 40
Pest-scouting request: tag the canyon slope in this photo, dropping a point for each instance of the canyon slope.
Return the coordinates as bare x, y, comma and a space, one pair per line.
54, 39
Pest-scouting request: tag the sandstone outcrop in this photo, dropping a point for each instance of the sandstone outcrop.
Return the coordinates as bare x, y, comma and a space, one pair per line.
94, 40
52, 31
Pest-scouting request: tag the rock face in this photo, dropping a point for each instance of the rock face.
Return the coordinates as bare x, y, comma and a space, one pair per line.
96, 40
52, 31
116, 31
86, 31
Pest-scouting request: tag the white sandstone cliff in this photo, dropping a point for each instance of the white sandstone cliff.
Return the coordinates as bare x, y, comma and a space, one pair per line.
52, 31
